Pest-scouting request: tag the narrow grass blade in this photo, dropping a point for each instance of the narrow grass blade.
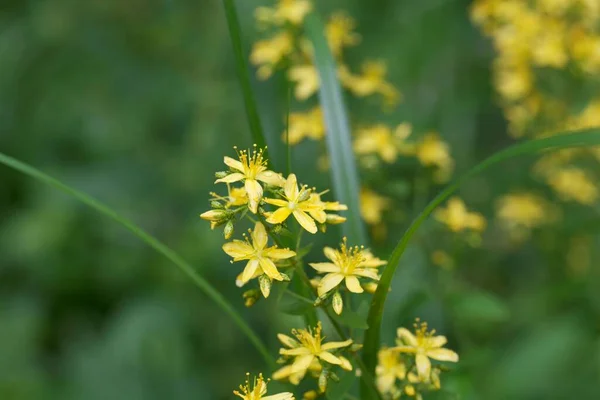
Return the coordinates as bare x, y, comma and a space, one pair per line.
243, 74
338, 138
588, 137
186, 268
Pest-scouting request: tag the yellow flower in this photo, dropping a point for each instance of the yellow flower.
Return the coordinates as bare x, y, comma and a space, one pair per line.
586, 50
347, 264
514, 83
297, 202
574, 184
522, 210
307, 80
339, 33
307, 350
371, 81
258, 390
434, 152
380, 140
389, 369
372, 206
235, 197
458, 218
549, 48
306, 125
260, 257
424, 345
322, 206
251, 169
268, 53
293, 11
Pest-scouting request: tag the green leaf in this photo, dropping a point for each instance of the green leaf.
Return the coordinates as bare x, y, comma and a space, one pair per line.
587, 137
186, 268
243, 74
339, 142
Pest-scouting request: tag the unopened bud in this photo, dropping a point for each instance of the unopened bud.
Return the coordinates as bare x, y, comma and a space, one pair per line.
215, 215
323, 381
251, 297
337, 303
277, 229
216, 204
310, 395
285, 277
228, 231
355, 347
265, 285
334, 219
334, 377
221, 174
304, 195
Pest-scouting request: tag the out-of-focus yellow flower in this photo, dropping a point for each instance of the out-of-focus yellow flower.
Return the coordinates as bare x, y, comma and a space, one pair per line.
514, 83
306, 349
258, 390
260, 257
574, 184
585, 47
458, 218
519, 213
339, 32
424, 345
346, 264
379, 139
268, 53
371, 80
442, 259
549, 48
372, 206
251, 169
297, 203
306, 125
307, 80
292, 11
432, 151
389, 369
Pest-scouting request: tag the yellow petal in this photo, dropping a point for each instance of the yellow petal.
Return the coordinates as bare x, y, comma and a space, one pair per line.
279, 254
336, 345
406, 336
280, 396
271, 178
353, 284
367, 273
250, 270
345, 363
259, 236
235, 177
254, 191
325, 267
290, 188
329, 282
437, 341
238, 249
330, 358
283, 373
330, 253
298, 351
319, 215
305, 221
443, 355
276, 202
280, 215
287, 341
302, 363
234, 164
270, 269
423, 366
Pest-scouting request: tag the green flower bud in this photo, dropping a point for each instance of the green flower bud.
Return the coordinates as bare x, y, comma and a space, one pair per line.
216, 204
251, 297
228, 231
265, 285
323, 381
221, 174
337, 302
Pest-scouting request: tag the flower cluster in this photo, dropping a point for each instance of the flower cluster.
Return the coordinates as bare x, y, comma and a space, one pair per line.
545, 49
287, 49
406, 369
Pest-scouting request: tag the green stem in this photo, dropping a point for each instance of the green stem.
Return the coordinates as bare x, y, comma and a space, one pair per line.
186, 268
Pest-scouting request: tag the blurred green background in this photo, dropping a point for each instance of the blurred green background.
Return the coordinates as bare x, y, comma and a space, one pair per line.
136, 102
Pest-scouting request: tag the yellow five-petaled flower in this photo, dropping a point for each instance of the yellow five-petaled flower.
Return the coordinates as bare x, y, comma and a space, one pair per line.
260, 257
347, 263
308, 351
258, 390
424, 345
251, 168
297, 203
